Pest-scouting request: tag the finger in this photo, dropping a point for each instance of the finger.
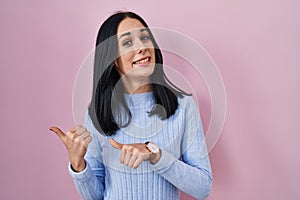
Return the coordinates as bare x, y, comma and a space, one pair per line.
70, 135
125, 149
87, 141
81, 130
127, 157
132, 160
58, 132
76, 128
122, 156
116, 144
138, 161
85, 134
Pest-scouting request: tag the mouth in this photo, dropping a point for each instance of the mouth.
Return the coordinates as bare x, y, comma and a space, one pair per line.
143, 61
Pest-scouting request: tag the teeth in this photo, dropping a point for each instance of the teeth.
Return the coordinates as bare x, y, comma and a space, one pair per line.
143, 61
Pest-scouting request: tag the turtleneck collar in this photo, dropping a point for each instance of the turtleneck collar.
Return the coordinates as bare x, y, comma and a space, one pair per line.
140, 100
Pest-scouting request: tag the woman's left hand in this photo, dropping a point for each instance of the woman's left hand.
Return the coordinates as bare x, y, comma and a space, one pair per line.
133, 155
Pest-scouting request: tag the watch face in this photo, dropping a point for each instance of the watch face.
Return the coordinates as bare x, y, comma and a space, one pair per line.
153, 147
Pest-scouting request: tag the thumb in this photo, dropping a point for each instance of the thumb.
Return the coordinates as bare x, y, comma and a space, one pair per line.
115, 144
58, 132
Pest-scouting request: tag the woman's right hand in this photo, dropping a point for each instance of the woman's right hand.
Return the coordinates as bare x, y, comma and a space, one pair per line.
76, 141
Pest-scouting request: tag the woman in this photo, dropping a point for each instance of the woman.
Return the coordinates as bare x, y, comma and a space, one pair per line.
142, 135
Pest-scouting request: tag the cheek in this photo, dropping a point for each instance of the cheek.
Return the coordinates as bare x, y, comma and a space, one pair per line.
128, 59
125, 61
153, 55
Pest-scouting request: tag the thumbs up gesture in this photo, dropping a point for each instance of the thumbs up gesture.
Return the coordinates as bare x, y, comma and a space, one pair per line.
76, 141
133, 155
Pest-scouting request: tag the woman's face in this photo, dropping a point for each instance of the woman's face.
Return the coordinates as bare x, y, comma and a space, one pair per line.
136, 50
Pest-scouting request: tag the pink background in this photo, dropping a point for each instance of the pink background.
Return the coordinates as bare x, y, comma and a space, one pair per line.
254, 43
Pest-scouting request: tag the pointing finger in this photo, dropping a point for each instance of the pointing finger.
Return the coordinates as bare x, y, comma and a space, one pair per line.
116, 144
58, 132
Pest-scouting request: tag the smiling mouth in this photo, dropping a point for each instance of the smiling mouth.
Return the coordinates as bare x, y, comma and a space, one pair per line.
142, 60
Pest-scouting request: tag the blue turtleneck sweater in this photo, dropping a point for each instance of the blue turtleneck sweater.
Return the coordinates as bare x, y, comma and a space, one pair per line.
184, 164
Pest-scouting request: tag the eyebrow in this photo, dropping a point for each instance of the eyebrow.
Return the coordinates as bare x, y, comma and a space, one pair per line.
129, 33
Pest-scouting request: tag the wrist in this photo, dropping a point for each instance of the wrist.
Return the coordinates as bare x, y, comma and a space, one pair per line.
155, 157
155, 152
78, 166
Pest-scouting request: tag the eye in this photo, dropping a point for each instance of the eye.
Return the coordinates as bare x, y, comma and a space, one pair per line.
145, 38
127, 43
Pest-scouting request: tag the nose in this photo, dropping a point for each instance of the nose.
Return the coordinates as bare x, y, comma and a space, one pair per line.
140, 47
140, 51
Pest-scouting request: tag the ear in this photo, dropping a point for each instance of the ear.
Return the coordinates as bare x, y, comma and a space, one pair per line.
118, 67
116, 63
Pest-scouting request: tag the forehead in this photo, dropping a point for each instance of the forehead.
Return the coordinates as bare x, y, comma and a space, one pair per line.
128, 24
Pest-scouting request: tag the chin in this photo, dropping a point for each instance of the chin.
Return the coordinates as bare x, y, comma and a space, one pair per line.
142, 72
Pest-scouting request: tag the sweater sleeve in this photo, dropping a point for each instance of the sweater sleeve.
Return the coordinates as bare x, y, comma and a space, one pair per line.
90, 183
194, 164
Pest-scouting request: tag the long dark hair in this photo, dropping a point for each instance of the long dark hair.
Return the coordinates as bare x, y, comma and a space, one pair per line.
104, 109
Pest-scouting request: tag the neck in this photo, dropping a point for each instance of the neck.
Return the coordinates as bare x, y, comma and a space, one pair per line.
136, 87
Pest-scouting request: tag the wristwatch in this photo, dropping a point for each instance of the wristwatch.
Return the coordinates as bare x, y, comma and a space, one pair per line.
152, 147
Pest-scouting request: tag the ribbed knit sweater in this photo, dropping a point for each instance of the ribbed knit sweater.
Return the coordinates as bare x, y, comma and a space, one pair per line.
184, 164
